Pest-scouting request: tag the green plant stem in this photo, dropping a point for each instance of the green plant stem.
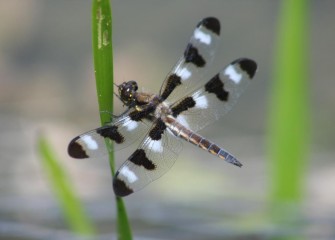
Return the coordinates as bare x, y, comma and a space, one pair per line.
289, 118
103, 65
65, 194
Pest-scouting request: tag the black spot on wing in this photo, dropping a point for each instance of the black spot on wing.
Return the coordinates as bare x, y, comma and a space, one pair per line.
112, 133
139, 158
211, 23
247, 65
136, 115
192, 56
120, 187
215, 85
139, 115
183, 105
157, 131
76, 150
172, 82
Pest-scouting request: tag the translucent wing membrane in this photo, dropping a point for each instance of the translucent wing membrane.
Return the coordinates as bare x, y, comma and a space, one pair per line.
192, 66
177, 113
208, 103
154, 157
122, 131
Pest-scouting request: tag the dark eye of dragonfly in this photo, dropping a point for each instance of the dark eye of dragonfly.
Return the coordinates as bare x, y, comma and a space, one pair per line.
127, 92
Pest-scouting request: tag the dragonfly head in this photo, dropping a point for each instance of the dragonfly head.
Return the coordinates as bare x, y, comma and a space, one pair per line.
127, 92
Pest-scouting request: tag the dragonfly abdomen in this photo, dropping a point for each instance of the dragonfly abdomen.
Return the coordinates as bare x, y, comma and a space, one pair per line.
183, 132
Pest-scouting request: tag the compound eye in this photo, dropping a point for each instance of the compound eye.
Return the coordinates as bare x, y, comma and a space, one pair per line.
126, 92
121, 88
129, 94
134, 85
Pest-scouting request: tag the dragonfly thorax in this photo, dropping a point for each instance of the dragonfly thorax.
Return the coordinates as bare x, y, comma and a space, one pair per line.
162, 110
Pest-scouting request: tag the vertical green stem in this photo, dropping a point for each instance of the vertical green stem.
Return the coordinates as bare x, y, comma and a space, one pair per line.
289, 118
103, 65
103, 56
73, 211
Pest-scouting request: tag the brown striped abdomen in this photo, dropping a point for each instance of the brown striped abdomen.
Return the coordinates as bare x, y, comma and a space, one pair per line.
183, 132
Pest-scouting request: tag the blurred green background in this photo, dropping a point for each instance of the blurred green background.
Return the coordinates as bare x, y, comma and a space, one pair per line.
47, 86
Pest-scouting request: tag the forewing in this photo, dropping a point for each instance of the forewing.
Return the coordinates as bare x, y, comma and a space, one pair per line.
154, 157
192, 66
122, 132
216, 97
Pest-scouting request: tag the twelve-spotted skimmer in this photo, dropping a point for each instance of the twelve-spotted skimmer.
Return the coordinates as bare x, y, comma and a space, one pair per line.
183, 106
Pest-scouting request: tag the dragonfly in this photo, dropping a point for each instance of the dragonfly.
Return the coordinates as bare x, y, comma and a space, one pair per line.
186, 103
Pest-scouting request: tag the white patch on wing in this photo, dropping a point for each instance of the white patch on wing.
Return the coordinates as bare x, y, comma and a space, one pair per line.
184, 73
200, 101
156, 146
202, 37
128, 174
90, 142
131, 125
181, 119
233, 74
